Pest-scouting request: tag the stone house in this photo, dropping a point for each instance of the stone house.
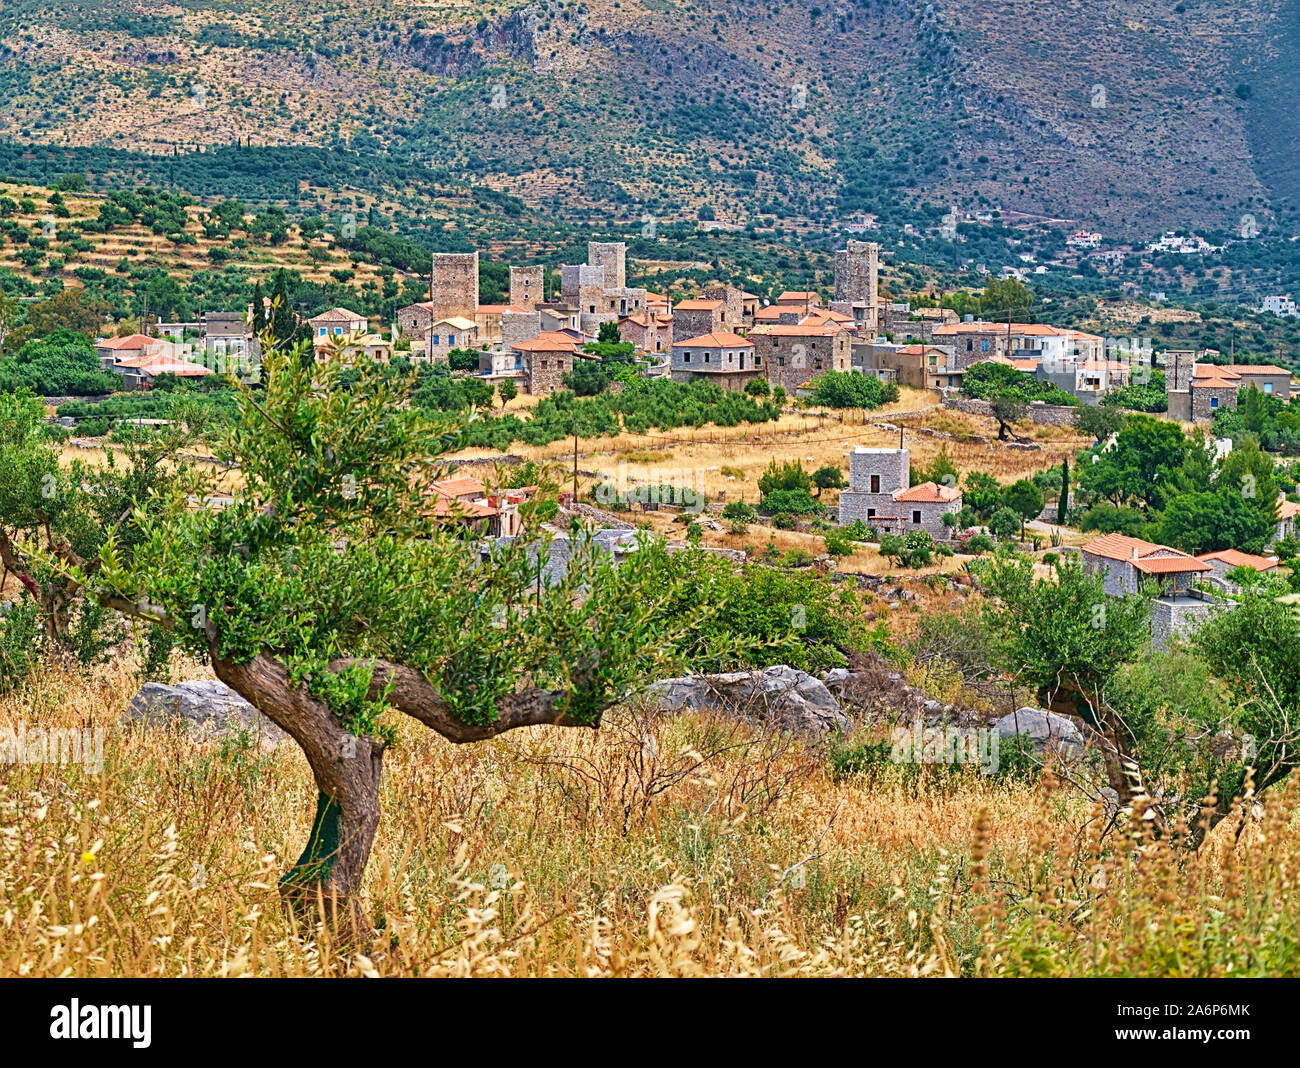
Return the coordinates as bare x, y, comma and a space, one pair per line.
1128, 564
1287, 511
1056, 347
414, 320
650, 333
545, 360
332, 327
879, 494
695, 318
918, 366
229, 334
791, 354
723, 358
1225, 560
444, 335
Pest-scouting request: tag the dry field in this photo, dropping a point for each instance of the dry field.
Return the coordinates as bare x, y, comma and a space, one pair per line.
816, 438
730, 460
654, 847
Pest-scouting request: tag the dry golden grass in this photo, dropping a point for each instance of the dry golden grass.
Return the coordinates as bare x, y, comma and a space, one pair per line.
654, 847
816, 439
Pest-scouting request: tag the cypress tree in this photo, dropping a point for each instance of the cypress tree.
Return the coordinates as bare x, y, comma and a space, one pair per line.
1064, 504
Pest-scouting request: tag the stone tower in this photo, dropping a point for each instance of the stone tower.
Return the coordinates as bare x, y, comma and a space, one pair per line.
857, 280
455, 284
875, 475
527, 286
1178, 369
611, 258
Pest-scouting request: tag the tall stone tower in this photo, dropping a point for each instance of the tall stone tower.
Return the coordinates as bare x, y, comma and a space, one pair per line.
857, 280
1178, 369
455, 284
527, 286
611, 258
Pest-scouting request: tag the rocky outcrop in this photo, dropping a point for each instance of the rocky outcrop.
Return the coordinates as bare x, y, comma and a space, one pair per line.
205, 710
1046, 731
782, 696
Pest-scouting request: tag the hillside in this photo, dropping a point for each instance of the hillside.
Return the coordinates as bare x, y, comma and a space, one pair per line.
1135, 117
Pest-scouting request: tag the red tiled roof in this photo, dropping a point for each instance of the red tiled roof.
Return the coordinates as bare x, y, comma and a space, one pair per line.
1236, 558
548, 341
337, 315
1236, 370
699, 305
1287, 509
928, 493
131, 341
720, 340
458, 486
1144, 555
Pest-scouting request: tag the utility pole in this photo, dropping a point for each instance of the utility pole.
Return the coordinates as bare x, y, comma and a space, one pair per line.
575, 457
428, 333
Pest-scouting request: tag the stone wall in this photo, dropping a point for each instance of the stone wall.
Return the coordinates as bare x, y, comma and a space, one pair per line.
1039, 412
519, 326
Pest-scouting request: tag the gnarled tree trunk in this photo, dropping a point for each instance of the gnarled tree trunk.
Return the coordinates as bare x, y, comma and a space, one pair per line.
347, 770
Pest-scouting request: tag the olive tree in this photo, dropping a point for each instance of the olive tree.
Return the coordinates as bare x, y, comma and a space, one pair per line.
54, 518
330, 595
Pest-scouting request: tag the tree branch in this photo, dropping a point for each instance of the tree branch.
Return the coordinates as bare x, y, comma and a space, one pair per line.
415, 695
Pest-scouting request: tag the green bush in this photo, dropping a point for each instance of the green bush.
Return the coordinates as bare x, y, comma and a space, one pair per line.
794, 502
20, 643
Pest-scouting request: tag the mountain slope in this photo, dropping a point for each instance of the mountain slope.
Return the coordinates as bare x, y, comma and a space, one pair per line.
1132, 116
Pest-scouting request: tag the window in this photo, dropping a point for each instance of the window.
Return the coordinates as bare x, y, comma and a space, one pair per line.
871, 513
916, 517
451, 339
1214, 402
875, 483
984, 345
1268, 387
706, 357
437, 339
970, 345
545, 364
686, 357
780, 361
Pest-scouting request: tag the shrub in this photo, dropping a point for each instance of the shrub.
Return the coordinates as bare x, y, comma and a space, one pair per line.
914, 549
739, 510
795, 502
